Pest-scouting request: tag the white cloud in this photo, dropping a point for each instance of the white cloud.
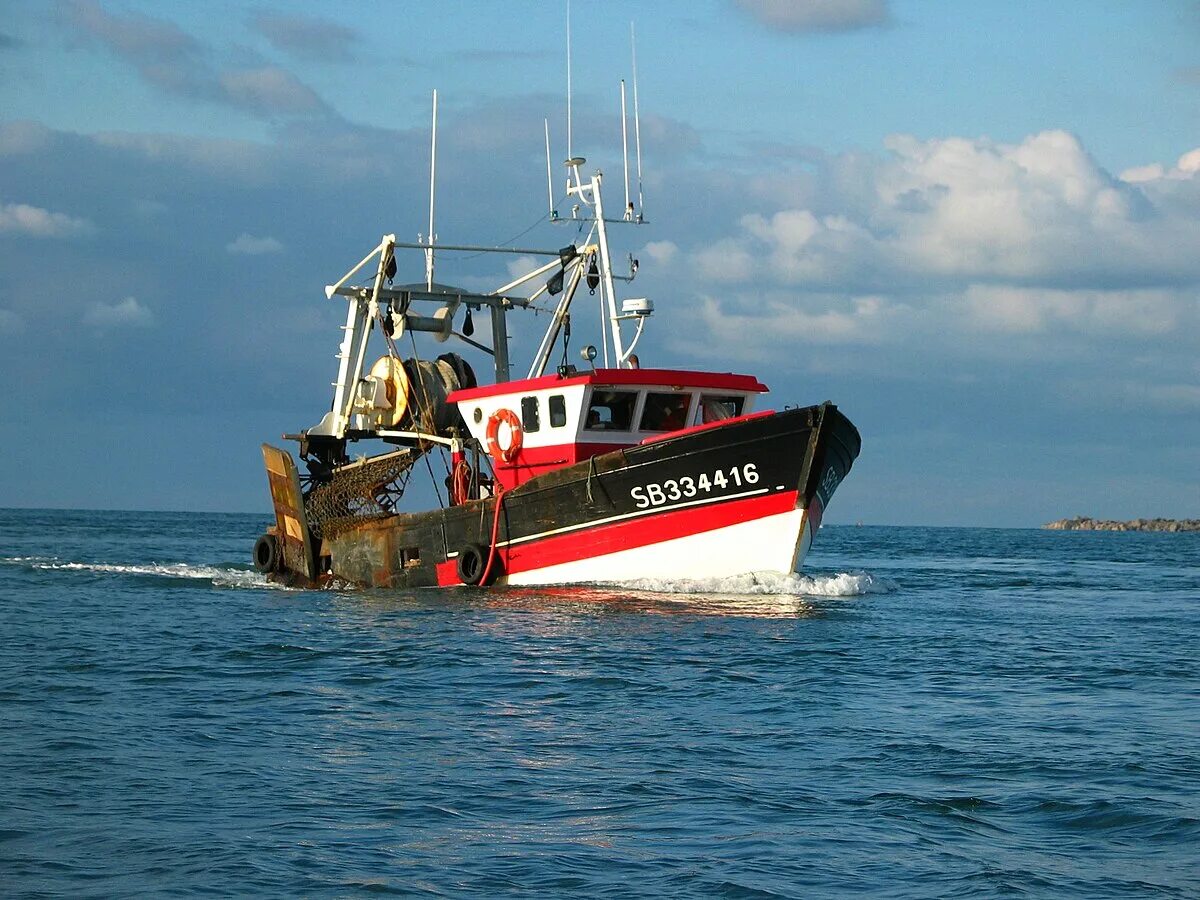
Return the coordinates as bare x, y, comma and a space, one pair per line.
957, 255
1040, 211
1185, 167
1031, 310
127, 313
1139, 174
661, 252
522, 266
1189, 163
33, 221
780, 321
817, 15
248, 245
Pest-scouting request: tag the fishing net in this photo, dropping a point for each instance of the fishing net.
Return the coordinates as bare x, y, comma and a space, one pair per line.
357, 493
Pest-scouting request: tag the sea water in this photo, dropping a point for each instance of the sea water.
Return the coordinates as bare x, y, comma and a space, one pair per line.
924, 712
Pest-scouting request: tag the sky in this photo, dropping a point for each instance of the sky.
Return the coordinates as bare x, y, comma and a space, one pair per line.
973, 226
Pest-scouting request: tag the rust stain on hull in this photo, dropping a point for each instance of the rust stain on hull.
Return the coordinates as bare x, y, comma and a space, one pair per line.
291, 524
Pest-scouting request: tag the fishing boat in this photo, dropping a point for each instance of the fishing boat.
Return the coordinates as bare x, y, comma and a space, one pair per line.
600, 470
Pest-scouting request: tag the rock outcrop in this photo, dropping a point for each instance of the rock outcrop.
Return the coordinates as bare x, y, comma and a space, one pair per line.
1084, 523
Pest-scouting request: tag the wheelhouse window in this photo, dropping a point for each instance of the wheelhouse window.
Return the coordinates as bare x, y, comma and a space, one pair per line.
530, 421
611, 411
558, 411
665, 412
716, 409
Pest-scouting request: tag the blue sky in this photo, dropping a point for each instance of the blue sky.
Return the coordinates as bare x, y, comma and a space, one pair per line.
974, 226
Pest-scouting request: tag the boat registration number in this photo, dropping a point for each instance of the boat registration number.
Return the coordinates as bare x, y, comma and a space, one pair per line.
687, 486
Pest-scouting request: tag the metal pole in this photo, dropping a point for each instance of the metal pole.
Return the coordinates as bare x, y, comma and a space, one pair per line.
500, 343
432, 181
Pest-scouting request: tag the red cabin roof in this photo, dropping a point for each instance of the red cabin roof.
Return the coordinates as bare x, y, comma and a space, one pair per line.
725, 381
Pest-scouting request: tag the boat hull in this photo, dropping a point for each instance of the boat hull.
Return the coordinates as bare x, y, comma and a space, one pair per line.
746, 495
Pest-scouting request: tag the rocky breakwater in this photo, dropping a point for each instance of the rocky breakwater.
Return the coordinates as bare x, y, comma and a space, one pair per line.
1084, 523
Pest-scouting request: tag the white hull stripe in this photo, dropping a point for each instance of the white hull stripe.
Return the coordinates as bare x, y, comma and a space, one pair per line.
776, 543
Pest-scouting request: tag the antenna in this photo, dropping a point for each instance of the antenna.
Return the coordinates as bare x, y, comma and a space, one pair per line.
637, 122
549, 178
432, 182
569, 145
625, 146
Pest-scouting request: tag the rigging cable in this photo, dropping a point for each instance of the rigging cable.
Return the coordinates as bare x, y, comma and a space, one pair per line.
428, 412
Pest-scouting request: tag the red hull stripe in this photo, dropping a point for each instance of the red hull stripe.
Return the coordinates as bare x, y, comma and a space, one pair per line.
630, 531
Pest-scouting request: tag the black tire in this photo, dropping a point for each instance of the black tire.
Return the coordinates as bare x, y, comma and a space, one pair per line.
266, 554
472, 561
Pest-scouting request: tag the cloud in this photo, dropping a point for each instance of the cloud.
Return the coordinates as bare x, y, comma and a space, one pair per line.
269, 91
775, 321
306, 37
974, 211
800, 16
248, 245
662, 252
127, 313
8, 42
163, 53
1140, 174
1031, 310
33, 221
1022, 266
174, 61
225, 158
23, 137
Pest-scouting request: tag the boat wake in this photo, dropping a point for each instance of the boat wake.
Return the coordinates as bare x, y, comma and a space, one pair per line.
218, 576
843, 584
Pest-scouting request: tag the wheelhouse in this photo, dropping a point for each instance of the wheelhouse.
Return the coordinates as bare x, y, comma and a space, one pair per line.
533, 426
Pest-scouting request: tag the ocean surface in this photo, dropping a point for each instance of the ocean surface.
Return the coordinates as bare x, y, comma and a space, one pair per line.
927, 712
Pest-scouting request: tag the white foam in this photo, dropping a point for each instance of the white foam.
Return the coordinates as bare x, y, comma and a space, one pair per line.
843, 584
219, 576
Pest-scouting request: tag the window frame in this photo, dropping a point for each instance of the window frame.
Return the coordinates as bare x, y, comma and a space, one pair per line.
531, 413
562, 410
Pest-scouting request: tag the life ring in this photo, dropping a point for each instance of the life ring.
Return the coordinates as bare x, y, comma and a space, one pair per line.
266, 554
509, 453
472, 565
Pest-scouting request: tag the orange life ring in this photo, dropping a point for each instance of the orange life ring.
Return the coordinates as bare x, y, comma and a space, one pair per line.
509, 453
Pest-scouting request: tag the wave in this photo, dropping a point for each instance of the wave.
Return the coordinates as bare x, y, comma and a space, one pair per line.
218, 576
842, 584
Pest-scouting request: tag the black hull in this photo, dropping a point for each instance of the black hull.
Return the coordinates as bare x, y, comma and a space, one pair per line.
677, 485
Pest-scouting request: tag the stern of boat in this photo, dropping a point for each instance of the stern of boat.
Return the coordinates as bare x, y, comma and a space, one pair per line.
286, 552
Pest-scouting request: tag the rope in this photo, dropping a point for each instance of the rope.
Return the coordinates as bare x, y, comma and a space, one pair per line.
483, 579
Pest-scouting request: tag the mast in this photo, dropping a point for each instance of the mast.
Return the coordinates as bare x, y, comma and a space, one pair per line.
589, 194
569, 154
625, 146
637, 122
432, 183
